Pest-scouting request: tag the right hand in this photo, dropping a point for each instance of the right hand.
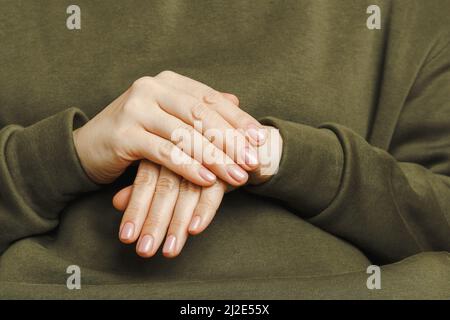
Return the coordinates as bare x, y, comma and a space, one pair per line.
139, 125
160, 204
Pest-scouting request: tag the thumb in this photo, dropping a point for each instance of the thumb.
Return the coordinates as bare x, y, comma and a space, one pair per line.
122, 198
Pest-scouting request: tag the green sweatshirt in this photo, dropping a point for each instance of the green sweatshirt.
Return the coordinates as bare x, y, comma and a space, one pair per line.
364, 176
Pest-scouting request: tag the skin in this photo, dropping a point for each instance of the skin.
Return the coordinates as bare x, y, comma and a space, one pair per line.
161, 204
149, 112
169, 200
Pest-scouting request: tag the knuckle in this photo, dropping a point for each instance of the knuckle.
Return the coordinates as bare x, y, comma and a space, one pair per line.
188, 187
133, 209
209, 201
189, 167
178, 224
166, 185
205, 206
152, 222
235, 99
144, 83
203, 209
130, 107
182, 131
199, 111
166, 74
144, 178
165, 151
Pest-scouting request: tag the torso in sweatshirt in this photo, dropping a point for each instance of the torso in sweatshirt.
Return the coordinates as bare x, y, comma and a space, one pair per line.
297, 62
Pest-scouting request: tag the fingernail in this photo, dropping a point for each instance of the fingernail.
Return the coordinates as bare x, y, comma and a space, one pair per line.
257, 134
250, 156
237, 173
127, 231
146, 244
169, 245
195, 223
207, 175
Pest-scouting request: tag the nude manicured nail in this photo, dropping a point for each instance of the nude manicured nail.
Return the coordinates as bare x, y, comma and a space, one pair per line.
207, 175
146, 244
169, 245
195, 223
257, 134
127, 231
237, 173
251, 156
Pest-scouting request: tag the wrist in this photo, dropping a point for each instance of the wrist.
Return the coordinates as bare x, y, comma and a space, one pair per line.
83, 155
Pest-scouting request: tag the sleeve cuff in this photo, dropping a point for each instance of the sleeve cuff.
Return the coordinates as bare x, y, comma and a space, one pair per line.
45, 163
310, 168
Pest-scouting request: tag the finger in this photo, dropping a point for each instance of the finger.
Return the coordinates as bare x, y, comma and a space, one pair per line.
178, 229
230, 111
160, 214
238, 118
198, 147
138, 206
231, 97
212, 125
206, 209
121, 198
165, 153
209, 122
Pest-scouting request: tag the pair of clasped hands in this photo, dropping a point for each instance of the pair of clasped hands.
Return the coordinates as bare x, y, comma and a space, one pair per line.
179, 184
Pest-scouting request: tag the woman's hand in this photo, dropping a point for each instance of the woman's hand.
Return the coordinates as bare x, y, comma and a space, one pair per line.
160, 204
141, 122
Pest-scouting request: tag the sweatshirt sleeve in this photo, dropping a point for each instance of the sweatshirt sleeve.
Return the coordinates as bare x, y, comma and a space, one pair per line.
39, 174
390, 203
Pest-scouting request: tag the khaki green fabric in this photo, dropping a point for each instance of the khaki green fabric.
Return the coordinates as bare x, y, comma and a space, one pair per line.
364, 176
